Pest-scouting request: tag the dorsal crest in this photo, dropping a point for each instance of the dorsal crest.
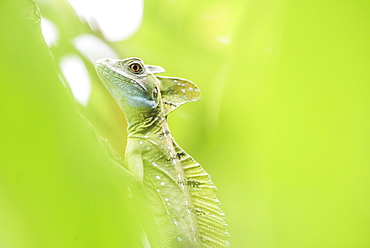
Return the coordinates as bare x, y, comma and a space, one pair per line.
177, 91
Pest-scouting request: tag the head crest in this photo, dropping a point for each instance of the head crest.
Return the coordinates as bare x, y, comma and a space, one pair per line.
177, 91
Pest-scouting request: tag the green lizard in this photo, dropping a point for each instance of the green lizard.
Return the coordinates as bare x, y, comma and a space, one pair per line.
175, 196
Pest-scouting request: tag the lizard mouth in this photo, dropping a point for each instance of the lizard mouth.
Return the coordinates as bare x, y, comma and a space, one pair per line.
106, 71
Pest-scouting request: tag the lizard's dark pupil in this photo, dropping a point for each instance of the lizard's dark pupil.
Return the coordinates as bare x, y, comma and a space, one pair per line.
135, 67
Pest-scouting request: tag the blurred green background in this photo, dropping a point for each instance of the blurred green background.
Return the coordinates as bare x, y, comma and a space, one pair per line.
282, 126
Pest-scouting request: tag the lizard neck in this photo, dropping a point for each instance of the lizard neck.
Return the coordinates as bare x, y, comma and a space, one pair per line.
146, 123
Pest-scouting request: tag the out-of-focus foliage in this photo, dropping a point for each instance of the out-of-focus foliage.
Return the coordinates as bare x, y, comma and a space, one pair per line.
282, 126
56, 187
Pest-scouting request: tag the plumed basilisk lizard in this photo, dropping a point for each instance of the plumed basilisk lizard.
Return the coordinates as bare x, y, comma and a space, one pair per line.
175, 196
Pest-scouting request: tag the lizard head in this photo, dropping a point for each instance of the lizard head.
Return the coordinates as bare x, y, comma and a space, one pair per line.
134, 85
127, 81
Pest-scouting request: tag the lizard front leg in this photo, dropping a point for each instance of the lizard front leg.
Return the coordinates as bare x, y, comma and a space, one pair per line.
134, 160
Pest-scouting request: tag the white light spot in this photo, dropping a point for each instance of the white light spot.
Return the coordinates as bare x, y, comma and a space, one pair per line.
77, 76
190, 88
146, 136
179, 239
162, 183
183, 90
268, 49
197, 90
169, 148
226, 40
148, 148
166, 199
93, 48
171, 154
154, 164
49, 31
174, 221
158, 177
178, 176
175, 81
141, 142
169, 204
107, 16
158, 190
168, 212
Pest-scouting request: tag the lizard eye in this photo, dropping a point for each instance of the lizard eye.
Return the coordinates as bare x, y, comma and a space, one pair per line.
135, 67
155, 93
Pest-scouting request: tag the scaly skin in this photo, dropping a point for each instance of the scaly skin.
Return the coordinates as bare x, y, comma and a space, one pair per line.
175, 196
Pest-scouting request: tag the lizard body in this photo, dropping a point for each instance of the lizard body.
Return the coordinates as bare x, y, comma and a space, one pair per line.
175, 196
